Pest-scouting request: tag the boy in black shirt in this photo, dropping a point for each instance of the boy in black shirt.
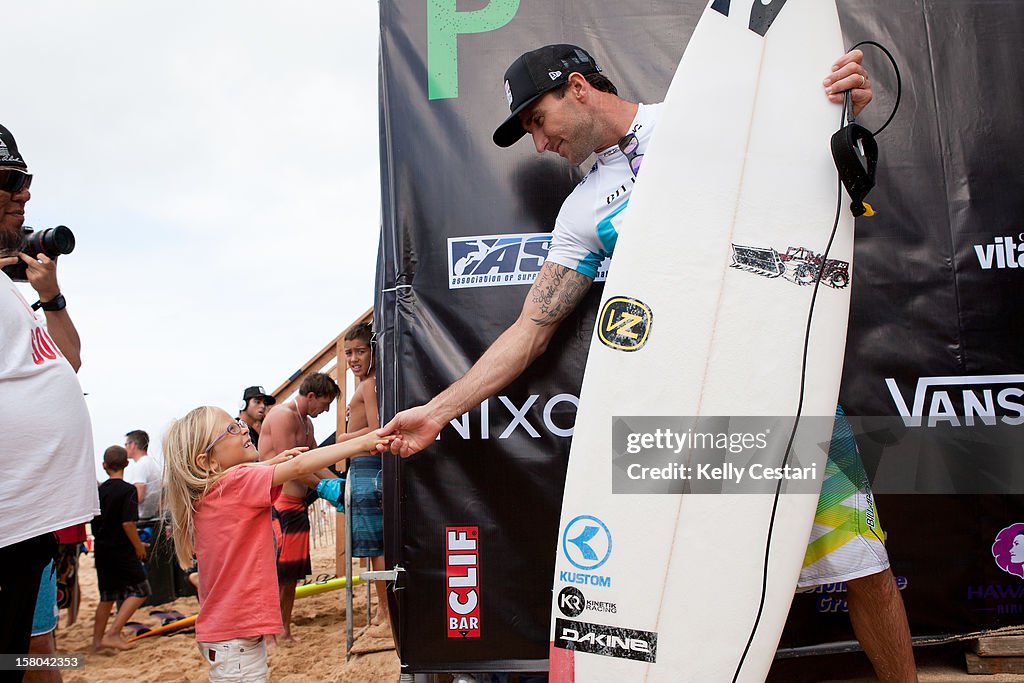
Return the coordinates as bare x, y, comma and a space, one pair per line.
118, 552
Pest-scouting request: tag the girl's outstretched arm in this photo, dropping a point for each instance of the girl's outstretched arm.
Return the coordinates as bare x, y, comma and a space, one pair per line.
300, 463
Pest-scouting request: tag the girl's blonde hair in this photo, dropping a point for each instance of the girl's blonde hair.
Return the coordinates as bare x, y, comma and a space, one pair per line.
186, 481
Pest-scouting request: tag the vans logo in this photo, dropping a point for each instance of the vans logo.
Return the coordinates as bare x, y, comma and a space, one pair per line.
462, 568
609, 641
1004, 252
962, 401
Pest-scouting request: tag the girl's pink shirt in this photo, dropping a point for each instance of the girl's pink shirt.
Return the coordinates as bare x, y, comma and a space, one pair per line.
238, 591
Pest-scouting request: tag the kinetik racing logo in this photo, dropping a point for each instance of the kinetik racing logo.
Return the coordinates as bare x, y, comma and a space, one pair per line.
962, 400
499, 260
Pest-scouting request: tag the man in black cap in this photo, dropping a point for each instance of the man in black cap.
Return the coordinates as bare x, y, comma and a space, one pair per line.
43, 418
255, 403
558, 95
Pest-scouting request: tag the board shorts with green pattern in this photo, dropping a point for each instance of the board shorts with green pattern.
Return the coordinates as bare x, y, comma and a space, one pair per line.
847, 541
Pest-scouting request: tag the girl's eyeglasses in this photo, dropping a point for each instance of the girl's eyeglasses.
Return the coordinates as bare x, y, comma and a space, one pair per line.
234, 427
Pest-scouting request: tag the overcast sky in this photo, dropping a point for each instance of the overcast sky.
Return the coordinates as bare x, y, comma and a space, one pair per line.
218, 164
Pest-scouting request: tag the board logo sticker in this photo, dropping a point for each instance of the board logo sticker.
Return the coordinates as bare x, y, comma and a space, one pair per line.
625, 323
586, 542
610, 641
1008, 550
571, 602
799, 265
762, 14
462, 565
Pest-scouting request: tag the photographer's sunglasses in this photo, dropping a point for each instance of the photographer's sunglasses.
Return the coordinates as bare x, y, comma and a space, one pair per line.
14, 181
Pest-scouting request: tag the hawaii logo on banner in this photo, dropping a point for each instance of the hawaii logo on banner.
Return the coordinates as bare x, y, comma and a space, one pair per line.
1008, 549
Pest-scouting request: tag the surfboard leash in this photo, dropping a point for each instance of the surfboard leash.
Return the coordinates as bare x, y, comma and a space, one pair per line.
854, 149
845, 123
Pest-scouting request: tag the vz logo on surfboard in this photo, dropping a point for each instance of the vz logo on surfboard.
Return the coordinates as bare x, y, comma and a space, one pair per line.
762, 14
497, 260
799, 265
625, 323
610, 641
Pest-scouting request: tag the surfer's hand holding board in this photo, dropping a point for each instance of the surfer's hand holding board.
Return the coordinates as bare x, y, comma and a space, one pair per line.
849, 74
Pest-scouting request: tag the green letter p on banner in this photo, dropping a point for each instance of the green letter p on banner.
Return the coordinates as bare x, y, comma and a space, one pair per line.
444, 24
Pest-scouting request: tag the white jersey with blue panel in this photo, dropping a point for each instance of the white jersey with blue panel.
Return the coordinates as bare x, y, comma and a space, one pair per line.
588, 222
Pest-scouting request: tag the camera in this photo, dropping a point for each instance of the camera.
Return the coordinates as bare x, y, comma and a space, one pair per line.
52, 241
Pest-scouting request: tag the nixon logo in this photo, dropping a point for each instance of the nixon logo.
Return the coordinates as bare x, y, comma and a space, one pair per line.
762, 14
624, 324
586, 542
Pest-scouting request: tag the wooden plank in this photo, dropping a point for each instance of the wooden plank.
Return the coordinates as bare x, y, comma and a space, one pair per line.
999, 646
994, 665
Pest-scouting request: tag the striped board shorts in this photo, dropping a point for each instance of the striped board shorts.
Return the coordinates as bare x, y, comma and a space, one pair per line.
291, 533
847, 541
364, 482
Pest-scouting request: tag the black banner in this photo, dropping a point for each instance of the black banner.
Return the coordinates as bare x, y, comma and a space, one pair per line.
934, 333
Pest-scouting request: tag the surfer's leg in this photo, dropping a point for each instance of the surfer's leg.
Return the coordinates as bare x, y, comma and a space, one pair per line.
880, 624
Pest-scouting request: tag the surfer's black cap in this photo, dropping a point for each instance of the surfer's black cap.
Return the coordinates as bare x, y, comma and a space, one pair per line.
532, 75
257, 392
9, 155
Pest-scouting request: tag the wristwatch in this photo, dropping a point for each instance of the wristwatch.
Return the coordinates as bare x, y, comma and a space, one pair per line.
57, 303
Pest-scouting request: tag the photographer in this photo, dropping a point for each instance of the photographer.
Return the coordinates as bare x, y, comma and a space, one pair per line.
44, 422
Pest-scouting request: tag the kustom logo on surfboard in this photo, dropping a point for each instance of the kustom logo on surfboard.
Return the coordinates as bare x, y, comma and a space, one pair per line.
587, 545
462, 574
798, 265
963, 400
500, 260
609, 641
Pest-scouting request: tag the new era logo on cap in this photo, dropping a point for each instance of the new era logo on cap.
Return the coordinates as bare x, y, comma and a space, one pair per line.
532, 75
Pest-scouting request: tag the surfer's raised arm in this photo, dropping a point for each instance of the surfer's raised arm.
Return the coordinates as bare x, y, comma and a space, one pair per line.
554, 295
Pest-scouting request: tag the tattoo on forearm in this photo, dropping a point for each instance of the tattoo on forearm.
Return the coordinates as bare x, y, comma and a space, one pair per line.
556, 293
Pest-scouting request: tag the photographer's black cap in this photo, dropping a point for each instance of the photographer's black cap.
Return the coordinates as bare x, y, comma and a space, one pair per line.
533, 74
9, 155
257, 392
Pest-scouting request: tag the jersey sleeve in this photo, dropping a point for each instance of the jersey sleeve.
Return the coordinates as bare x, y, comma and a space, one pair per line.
575, 242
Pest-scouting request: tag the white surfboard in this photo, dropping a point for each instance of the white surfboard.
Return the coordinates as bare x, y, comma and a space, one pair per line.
704, 314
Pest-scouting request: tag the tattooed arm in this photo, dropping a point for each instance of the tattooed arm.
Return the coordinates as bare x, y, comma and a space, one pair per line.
554, 295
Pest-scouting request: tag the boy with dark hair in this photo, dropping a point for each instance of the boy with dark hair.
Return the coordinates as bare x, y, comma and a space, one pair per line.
119, 553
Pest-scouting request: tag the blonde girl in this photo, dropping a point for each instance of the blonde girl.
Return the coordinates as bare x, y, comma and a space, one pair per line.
220, 497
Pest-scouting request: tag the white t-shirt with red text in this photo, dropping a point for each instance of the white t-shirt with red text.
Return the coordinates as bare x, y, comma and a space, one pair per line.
46, 450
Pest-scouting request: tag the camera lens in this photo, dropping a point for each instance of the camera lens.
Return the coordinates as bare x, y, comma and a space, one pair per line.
53, 242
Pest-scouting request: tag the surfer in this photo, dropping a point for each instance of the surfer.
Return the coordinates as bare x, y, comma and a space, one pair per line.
558, 95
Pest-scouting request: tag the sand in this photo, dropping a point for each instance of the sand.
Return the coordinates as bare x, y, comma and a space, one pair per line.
317, 655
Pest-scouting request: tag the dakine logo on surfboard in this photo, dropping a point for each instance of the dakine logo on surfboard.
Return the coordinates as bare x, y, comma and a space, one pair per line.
964, 400
1008, 549
625, 323
799, 265
610, 641
462, 574
762, 14
498, 260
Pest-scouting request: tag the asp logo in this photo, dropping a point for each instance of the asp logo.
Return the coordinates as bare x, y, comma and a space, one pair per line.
499, 260
625, 323
586, 542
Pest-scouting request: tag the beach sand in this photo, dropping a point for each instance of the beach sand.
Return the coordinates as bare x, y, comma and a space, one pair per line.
318, 654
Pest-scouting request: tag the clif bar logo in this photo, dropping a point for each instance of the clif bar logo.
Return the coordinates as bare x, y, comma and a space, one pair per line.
462, 566
964, 400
